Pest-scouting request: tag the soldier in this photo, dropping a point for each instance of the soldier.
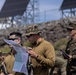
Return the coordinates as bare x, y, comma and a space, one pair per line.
9, 60
71, 49
60, 63
42, 54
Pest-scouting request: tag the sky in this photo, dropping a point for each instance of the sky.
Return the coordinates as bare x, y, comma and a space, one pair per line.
52, 9
49, 4
48, 9
1, 4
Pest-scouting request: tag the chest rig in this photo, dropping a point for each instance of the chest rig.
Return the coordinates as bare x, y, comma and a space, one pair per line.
71, 49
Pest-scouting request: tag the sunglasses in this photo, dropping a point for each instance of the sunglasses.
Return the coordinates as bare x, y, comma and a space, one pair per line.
12, 39
29, 36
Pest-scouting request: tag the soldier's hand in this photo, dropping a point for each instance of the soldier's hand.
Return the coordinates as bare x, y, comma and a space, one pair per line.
70, 57
32, 54
1, 73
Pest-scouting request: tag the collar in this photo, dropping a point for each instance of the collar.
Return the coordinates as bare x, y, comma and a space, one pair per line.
39, 41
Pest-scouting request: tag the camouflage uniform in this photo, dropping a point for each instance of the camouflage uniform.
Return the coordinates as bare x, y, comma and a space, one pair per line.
71, 50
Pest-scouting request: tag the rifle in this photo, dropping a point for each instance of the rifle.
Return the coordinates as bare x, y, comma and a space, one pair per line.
65, 54
3, 67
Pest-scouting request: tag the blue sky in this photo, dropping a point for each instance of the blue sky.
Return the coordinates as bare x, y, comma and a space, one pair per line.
49, 4
52, 9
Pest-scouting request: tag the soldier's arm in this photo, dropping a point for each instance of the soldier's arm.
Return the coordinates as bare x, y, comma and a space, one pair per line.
49, 59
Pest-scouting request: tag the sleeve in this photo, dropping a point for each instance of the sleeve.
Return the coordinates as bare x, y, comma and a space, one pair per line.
74, 57
49, 56
74, 52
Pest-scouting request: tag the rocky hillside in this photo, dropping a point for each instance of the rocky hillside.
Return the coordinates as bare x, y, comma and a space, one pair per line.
52, 31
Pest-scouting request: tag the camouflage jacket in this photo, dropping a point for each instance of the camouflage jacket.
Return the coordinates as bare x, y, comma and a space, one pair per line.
71, 48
